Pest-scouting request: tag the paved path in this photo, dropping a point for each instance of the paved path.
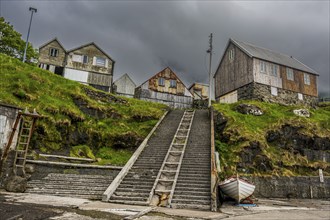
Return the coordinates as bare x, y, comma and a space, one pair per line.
55, 207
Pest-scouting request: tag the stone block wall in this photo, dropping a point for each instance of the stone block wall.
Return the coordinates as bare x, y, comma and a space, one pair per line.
257, 91
301, 187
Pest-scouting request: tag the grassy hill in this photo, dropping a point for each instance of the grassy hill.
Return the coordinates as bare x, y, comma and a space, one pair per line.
77, 119
276, 143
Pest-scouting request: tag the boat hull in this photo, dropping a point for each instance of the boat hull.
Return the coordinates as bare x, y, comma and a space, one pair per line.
237, 188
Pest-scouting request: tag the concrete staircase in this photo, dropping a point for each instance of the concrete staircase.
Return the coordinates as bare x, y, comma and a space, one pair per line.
193, 188
136, 186
71, 185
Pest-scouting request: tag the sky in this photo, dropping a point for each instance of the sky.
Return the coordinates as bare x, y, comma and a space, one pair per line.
144, 37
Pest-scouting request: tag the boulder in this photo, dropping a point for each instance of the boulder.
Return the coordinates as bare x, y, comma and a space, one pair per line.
248, 109
16, 184
302, 112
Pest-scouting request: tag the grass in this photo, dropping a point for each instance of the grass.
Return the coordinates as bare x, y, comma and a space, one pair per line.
63, 124
244, 129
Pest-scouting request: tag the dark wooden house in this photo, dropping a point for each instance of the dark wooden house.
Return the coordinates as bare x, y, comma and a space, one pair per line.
165, 87
246, 71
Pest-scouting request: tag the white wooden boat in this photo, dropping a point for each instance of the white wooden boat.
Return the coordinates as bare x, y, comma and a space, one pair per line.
237, 188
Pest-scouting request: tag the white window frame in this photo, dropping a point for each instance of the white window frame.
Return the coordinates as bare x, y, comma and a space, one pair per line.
307, 79
274, 68
161, 81
289, 74
53, 52
231, 55
173, 83
96, 61
263, 68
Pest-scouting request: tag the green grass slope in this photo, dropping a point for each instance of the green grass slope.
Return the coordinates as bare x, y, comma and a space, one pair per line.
245, 145
77, 119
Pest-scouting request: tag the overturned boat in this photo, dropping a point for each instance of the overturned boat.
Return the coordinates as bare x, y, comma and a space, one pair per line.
237, 188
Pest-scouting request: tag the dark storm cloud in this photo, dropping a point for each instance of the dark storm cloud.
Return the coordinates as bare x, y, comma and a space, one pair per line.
144, 37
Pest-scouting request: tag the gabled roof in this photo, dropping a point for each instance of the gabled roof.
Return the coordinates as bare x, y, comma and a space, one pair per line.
269, 55
54, 39
162, 71
197, 83
95, 45
123, 77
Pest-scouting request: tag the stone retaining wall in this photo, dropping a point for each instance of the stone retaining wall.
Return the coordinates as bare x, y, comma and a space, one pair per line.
302, 187
257, 91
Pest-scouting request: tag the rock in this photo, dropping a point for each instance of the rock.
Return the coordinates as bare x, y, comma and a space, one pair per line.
16, 184
302, 112
29, 168
127, 140
248, 109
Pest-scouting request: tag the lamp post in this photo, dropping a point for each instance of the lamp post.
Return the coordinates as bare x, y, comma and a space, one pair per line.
27, 38
210, 70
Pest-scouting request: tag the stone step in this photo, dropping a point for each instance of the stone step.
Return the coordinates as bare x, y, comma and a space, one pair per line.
133, 190
79, 176
129, 198
192, 197
129, 202
188, 201
190, 206
191, 189
125, 185
91, 197
132, 194
197, 181
196, 193
64, 191
75, 187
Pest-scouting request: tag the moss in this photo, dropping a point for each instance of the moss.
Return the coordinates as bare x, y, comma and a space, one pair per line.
82, 151
63, 123
243, 129
111, 156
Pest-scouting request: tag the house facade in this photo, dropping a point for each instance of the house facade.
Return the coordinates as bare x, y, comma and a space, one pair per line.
124, 86
246, 71
199, 91
87, 64
165, 87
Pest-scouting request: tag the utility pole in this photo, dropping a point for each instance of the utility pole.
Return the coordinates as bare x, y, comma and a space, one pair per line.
27, 39
210, 71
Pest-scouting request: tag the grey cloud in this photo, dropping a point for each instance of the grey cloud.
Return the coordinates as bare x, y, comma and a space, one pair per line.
144, 36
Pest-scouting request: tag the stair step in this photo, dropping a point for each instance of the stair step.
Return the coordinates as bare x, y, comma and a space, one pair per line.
190, 206
188, 201
130, 198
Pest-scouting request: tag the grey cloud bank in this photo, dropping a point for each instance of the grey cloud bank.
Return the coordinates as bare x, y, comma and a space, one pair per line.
146, 36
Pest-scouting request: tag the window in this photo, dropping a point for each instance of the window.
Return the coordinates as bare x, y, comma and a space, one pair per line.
273, 91
173, 83
274, 70
307, 80
300, 96
77, 58
231, 54
100, 61
53, 52
85, 59
262, 67
289, 74
161, 81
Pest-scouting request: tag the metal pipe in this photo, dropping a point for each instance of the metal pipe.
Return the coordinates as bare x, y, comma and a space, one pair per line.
27, 38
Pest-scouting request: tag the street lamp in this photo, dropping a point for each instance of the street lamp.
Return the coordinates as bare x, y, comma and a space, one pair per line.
27, 38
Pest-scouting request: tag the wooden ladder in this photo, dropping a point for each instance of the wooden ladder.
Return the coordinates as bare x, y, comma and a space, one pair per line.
163, 189
27, 121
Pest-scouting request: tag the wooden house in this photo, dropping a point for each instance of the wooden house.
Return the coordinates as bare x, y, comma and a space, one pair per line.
199, 91
165, 87
124, 86
246, 71
87, 64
